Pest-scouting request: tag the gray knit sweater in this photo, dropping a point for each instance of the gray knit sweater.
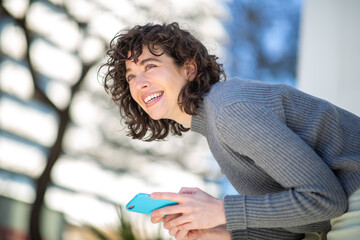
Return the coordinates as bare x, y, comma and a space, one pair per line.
293, 158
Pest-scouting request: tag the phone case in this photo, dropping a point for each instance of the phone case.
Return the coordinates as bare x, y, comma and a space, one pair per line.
143, 203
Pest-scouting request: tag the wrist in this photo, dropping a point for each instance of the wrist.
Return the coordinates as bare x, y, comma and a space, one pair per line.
220, 232
222, 217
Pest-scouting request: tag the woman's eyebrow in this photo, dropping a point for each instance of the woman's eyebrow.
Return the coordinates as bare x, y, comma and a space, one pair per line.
143, 62
148, 60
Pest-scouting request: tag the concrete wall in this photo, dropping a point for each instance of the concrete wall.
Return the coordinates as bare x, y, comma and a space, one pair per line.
329, 53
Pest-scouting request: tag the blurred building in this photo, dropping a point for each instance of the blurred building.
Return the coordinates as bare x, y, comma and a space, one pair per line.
52, 103
14, 225
329, 64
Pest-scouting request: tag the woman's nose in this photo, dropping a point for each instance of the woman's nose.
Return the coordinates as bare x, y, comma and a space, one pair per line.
142, 82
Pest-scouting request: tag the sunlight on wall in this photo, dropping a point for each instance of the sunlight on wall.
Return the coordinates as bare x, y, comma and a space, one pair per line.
39, 126
19, 188
80, 209
24, 158
16, 7
53, 25
54, 62
23, 87
91, 49
12, 40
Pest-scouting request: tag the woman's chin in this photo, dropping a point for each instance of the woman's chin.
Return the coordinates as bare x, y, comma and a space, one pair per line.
155, 117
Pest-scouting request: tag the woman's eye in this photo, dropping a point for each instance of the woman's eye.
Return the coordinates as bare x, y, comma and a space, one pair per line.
128, 79
149, 66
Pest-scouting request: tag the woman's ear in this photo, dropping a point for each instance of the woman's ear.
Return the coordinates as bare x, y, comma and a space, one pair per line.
191, 69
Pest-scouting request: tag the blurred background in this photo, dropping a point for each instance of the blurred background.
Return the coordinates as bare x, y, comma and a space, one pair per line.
66, 165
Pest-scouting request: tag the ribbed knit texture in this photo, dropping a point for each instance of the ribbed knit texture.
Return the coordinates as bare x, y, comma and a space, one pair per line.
293, 158
268, 234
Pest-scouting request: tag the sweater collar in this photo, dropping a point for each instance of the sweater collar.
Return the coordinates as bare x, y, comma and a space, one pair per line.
198, 121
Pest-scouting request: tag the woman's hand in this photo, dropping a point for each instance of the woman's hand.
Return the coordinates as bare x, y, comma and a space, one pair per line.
219, 232
196, 210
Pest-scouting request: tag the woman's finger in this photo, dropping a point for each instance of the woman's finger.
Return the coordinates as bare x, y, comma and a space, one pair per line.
169, 218
181, 235
181, 222
187, 190
176, 197
169, 210
173, 231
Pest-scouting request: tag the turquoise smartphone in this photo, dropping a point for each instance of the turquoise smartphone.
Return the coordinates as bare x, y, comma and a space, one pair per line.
143, 203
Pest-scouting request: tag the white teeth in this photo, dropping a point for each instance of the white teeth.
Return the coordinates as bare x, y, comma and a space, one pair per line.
152, 97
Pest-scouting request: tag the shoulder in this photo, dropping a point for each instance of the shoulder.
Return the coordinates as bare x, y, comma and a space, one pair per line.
224, 95
238, 90
248, 99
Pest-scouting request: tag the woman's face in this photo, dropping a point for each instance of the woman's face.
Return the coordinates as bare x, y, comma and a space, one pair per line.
155, 83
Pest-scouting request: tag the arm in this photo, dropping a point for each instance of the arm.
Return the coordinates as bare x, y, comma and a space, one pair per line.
313, 192
265, 234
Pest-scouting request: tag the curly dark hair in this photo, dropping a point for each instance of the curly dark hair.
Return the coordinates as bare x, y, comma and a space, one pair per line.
176, 43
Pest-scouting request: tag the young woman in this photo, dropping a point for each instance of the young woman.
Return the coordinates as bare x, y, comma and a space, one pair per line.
294, 159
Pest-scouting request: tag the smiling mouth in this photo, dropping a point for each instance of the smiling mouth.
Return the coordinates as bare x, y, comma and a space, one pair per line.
152, 97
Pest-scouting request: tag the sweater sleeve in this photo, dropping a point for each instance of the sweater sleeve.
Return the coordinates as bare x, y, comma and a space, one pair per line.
313, 193
265, 234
